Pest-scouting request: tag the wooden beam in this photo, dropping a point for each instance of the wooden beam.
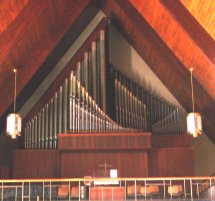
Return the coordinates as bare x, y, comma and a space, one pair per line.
192, 27
11, 36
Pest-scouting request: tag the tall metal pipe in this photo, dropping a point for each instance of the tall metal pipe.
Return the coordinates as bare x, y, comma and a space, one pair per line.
51, 119
46, 137
43, 128
65, 106
103, 70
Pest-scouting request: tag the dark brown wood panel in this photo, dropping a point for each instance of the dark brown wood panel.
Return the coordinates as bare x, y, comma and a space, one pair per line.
171, 162
9, 10
35, 164
170, 141
5, 172
83, 154
86, 163
104, 141
107, 193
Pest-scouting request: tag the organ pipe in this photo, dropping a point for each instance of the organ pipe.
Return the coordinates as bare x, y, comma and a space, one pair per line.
51, 117
80, 104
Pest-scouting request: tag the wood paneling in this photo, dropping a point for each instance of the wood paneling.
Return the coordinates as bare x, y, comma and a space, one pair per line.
203, 11
170, 141
35, 164
131, 154
9, 11
86, 163
5, 172
171, 162
107, 193
99, 141
126, 152
192, 27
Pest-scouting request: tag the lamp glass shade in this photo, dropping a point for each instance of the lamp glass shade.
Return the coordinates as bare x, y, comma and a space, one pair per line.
194, 124
14, 125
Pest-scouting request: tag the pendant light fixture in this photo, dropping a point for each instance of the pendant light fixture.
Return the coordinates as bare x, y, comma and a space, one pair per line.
14, 121
194, 120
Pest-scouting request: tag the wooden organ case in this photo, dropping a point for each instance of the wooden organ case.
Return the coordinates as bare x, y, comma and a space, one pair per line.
93, 114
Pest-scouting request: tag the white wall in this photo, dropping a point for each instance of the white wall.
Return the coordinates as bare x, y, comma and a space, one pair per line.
126, 59
123, 56
204, 155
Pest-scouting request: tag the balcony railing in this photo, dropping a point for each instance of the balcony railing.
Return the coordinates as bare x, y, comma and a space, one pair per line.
168, 188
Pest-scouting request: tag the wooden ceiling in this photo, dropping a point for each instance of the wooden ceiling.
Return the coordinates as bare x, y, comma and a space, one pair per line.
181, 33
9, 11
204, 12
171, 36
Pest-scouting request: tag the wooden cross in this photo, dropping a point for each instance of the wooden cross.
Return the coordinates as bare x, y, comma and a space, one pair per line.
105, 165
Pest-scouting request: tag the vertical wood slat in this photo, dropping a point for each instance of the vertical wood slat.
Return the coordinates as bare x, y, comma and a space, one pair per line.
85, 151
87, 164
97, 141
171, 161
36, 164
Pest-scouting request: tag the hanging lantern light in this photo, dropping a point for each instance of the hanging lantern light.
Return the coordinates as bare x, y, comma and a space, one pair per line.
14, 121
194, 120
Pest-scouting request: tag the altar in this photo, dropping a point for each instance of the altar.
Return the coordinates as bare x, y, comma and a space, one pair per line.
105, 182
107, 193
106, 176
107, 187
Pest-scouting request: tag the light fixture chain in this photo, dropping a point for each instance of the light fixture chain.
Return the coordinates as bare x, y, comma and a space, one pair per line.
191, 74
14, 107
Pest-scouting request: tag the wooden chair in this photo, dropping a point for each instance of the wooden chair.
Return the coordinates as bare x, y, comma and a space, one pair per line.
131, 190
155, 191
149, 191
145, 191
62, 192
74, 192
175, 190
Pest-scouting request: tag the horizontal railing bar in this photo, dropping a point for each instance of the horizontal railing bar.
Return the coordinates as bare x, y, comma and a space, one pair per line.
103, 179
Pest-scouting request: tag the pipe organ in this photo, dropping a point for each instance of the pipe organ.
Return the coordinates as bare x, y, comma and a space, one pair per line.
140, 109
95, 97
